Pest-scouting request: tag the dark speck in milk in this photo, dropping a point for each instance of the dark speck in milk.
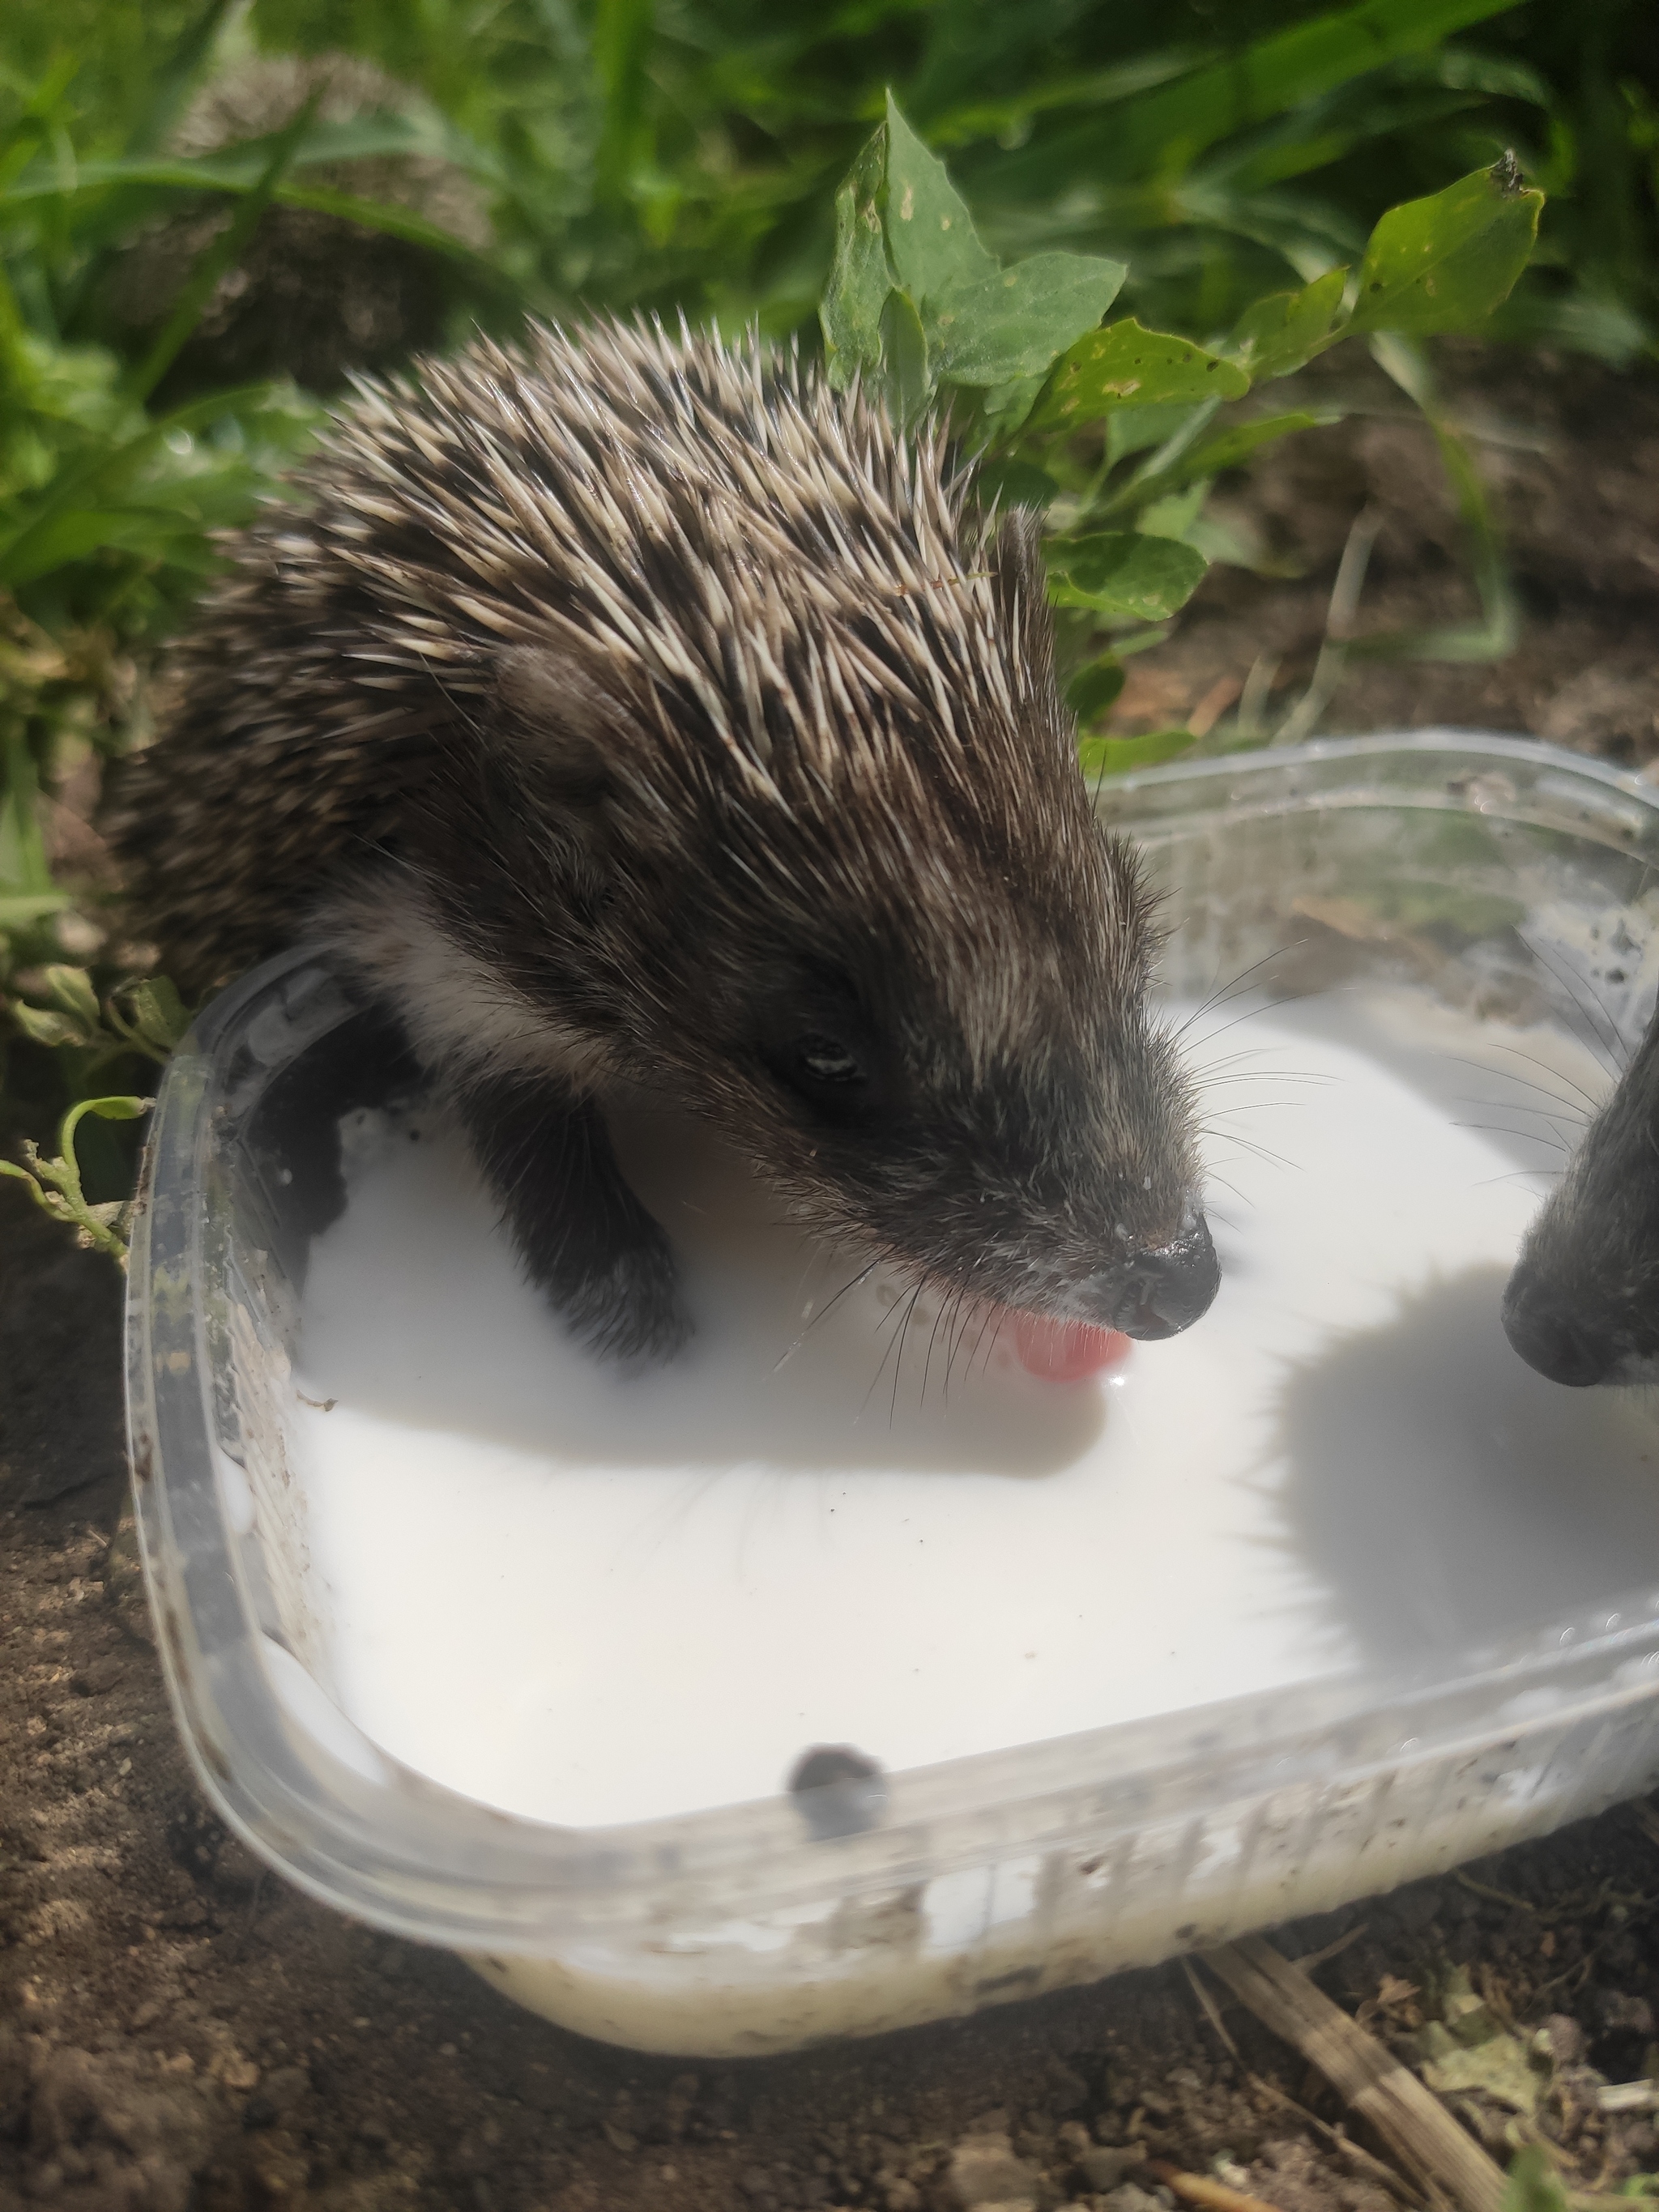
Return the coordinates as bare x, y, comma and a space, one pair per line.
590, 1600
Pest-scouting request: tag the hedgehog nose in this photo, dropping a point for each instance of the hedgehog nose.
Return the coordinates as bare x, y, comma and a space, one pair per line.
1549, 1340
1164, 1290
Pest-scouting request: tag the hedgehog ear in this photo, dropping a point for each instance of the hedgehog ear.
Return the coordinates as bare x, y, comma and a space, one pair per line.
574, 739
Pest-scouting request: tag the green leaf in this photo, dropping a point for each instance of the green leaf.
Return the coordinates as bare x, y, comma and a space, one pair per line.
930, 233
901, 225
904, 347
73, 535
17, 912
1015, 323
1125, 364
861, 277
159, 1014
1098, 756
1280, 333
1121, 573
1095, 689
1534, 2185
71, 988
42, 1027
1445, 263
1174, 516
108, 1110
94, 474
1007, 405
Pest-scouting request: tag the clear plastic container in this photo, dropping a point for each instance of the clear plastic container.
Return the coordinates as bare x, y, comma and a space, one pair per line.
739, 1930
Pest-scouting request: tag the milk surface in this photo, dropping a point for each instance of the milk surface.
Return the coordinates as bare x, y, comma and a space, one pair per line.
839, 1518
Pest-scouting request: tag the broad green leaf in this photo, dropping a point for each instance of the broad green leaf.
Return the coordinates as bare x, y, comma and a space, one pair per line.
41, 1026
1015, 322
859, 277
71, 989
1116, 756
1174, 516
1007, 405
904, 348
1445, 263
930, 233
1280, 333
899, 224
159, 1013
1125, 364
1095, 689
1121, 573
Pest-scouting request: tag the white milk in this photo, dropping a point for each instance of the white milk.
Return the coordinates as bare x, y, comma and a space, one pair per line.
587, 1599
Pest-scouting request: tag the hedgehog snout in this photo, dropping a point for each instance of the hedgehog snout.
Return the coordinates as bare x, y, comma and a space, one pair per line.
1156, 1289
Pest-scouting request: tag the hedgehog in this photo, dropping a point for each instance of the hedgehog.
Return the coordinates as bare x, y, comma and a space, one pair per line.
1582, 1304
636, 709
311, 295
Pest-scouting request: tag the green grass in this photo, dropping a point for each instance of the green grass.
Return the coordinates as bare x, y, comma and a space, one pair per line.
1212, 183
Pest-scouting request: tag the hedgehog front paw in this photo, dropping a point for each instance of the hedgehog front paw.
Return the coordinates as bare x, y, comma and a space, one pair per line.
629, 1310
585, 1241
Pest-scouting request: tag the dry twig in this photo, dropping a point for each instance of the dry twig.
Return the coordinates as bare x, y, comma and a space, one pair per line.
1414, 2124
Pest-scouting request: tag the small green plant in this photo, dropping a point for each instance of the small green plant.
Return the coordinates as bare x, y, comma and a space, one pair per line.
1534, 2185
1118, 432
55, 1187
146, 1018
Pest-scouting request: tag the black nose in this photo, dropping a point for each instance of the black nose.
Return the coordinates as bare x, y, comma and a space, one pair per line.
1168, 1288
1549, 1340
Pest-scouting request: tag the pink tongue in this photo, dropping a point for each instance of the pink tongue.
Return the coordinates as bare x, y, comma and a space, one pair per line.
1066, 1351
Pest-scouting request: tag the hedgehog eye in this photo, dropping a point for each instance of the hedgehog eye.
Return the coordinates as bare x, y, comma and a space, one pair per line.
824, 1060
829, 1079
816, 1042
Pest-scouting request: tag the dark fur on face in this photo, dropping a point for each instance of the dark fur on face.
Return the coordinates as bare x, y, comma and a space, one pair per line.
1582, 1303
647, 711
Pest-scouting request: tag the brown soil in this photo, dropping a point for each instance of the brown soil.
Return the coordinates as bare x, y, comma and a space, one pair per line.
178, 2030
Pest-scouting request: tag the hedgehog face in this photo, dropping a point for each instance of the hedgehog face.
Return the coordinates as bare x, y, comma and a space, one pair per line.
972, 1085
918, 1001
